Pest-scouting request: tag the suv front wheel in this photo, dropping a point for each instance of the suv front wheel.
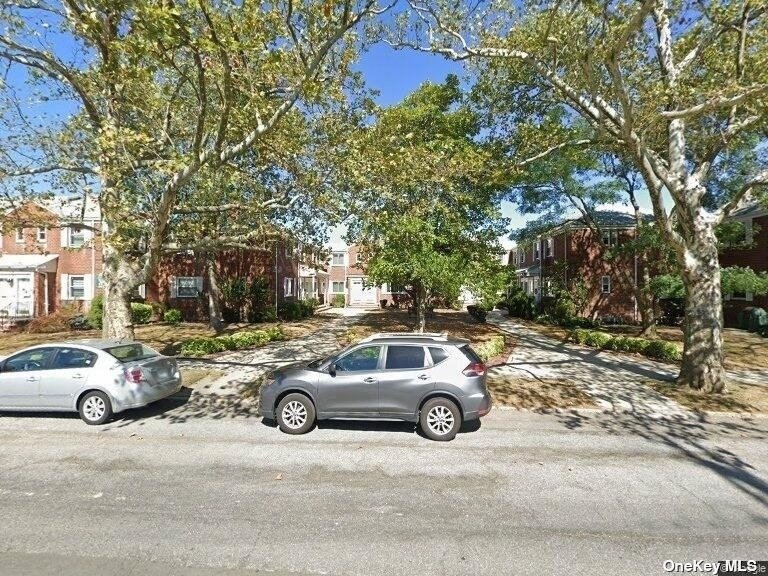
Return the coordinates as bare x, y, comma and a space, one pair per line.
295, 414
440, 419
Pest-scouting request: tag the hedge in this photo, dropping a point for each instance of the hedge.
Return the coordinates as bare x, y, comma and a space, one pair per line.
492, 348
172, 316
651, 348
236, 341
141, 313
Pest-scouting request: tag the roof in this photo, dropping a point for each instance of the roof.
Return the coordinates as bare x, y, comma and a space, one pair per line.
41, 262
412, 338
751, 210
610, 219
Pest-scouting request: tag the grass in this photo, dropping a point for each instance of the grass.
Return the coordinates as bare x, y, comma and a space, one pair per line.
743, 350
740, 397
534, 394
162, 337
192, 376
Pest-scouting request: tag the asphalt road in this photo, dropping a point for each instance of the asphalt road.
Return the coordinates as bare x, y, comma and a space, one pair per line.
185, 490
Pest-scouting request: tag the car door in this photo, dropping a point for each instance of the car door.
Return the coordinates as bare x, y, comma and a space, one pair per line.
68, 374
353, 389
406, 378
20, 377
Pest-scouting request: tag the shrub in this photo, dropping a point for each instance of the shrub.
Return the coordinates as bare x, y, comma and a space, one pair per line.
338, 301
140, 313
521, 305
477, 312
598, 339
492, 348
578, 322
236, 341
579, 335
173, 316
59, 321
96, 312
661, 349
79, 322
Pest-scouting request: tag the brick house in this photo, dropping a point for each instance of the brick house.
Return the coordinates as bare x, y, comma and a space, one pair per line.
347, 277
754, 255
50, 257
572, 252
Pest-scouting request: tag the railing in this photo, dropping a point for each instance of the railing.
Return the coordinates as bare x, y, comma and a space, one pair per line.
10, 314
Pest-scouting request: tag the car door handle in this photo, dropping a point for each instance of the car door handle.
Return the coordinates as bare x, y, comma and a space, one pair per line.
32, 379
77, 376
423, 377
370, 380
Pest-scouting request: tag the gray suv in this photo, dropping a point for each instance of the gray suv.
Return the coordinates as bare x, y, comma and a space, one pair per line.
431, 379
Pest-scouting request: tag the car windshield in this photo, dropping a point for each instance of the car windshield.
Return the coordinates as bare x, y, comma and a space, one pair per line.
131, 352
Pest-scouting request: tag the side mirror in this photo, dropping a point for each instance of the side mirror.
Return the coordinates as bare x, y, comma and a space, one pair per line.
332, 369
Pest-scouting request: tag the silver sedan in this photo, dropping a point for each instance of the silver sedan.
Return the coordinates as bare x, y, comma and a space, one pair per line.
96, 378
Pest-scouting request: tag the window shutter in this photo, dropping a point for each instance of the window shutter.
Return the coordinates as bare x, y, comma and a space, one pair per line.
64, 288
64, 237
87, 234
174, 287
87, 286
199, 282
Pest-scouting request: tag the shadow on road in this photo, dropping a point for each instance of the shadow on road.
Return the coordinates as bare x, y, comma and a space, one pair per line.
691, 438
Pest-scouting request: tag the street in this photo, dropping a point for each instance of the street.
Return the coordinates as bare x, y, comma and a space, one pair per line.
169, 487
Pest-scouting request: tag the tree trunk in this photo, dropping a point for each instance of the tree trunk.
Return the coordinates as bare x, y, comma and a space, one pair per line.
645, 302
214, 297
420, 303
702, 366
119, 281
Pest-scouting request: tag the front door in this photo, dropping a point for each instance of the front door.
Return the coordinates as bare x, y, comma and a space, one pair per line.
359, 293
20, 378
353, 390
405, 380
69, 372
16, 295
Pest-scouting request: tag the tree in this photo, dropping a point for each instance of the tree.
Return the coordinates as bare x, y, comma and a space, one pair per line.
427, 214
156, 92
673, 87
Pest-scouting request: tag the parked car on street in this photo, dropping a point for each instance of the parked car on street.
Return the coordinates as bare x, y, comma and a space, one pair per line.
96, 378
431, 379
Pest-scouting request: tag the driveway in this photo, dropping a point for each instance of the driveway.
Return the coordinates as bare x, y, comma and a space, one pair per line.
165, 491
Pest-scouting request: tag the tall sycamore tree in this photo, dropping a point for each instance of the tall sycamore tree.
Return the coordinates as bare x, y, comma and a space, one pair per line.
673, 87
150, 93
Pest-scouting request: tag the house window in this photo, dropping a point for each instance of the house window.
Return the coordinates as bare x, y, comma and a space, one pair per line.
610, 237
288, 286
42, 234
19, 234
741, 296
288, 251
186, 287
337, 287
76, 288
548, 249
605, 284
358, 258
76, 237
536, 251
337, 259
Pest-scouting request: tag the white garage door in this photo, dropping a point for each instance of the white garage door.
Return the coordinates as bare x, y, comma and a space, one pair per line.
359, 294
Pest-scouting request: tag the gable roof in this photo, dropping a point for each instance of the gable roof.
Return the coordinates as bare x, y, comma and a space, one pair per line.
751, 210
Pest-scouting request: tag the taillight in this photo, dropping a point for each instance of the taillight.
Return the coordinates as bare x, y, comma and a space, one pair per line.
134, 375
475, 369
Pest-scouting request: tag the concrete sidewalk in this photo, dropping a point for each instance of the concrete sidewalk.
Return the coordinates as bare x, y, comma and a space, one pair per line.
614, 381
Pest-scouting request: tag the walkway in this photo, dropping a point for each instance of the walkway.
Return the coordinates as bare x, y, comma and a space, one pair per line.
614, 381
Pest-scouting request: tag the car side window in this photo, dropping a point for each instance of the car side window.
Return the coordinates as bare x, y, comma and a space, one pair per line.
29, 361
365, 358
73, 358
404, 357
438, 355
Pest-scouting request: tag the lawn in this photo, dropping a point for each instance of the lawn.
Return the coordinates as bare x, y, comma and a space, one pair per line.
161, 336
534, 394
742, 349
741, 397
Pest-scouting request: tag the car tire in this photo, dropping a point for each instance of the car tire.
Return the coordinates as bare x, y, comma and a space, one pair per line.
95, 408
440, 419
295, 414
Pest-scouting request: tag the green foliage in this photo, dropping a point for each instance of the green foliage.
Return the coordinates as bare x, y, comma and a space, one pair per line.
172, 316
338, 301
660, 349
477, 312
520, 304
245, 299
492, 348
237, 341
597, 339
96, 312
743, 279
667, 286
297, 309
140, 313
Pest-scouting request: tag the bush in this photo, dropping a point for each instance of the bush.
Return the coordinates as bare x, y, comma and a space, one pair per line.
140, 313
661, 349
492, 348
338, 301
236, 341
477, 312
297, 309
79, 322
598, 339
521, 305
173, 316
66, 318
96, 312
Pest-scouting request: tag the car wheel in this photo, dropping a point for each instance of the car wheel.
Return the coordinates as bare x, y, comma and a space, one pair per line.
440, 419
295, 414
95, 408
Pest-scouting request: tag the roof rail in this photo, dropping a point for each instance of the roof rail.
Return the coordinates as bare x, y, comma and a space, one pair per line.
430, 335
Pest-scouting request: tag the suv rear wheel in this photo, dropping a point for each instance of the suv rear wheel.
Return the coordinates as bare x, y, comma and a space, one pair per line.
295, 414
440, 419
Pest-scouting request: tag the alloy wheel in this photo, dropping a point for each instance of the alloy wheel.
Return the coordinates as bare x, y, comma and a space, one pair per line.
94, 408
294, 414
440, 420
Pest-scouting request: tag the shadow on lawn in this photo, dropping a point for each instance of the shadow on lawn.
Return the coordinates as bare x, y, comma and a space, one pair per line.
692, 438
